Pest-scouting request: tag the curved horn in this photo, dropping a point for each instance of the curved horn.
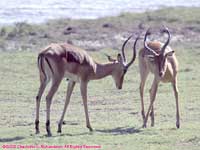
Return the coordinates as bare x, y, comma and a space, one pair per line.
123, 46
165, 30
134, 52
145, 43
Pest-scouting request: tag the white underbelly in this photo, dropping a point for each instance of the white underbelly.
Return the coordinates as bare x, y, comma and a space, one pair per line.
72, 77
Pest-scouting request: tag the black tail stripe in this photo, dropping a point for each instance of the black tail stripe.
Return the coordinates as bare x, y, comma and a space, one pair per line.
49, 65
40, 57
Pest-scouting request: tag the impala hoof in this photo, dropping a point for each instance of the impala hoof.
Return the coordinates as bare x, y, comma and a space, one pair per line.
152, 124
49, 134
59, 131
90, 128
59, 128
178, 125
144, 125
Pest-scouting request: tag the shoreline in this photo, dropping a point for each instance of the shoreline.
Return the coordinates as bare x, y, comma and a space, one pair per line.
139, 12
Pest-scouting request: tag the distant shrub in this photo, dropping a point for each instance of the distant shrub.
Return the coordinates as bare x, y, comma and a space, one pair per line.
3, 31
23, 28
18, 30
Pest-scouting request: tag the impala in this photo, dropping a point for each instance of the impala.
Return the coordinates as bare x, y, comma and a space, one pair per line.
57, 61
160, 60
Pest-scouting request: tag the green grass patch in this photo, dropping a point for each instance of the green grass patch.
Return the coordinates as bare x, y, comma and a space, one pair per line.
115, 114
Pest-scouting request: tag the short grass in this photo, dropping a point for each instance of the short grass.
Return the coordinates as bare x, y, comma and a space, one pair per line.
115, 114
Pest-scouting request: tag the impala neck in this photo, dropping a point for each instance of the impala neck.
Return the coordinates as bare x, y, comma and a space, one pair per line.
103, 70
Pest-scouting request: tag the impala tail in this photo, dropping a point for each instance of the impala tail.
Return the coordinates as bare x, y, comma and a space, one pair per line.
42, 61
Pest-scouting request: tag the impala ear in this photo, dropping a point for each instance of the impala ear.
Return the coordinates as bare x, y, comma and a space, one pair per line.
119, 58
170, 53
110, 59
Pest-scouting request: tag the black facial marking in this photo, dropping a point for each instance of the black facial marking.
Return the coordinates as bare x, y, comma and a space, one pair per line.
125, 70
161, 61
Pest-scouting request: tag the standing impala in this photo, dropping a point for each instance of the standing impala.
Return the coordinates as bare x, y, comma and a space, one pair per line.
160, 60
57, 61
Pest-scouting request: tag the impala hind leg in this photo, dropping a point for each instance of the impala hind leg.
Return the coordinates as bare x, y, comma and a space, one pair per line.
43, 82
52, 91
70, 88
83, 87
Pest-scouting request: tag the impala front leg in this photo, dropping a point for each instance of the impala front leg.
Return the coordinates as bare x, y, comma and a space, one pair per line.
175, 88
83, 87
152, 99
152, 109
143, 76
142, 100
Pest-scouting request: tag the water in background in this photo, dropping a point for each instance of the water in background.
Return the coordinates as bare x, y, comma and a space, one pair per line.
36, 11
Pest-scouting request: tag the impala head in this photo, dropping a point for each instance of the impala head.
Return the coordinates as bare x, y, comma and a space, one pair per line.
160, 59
121, 67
